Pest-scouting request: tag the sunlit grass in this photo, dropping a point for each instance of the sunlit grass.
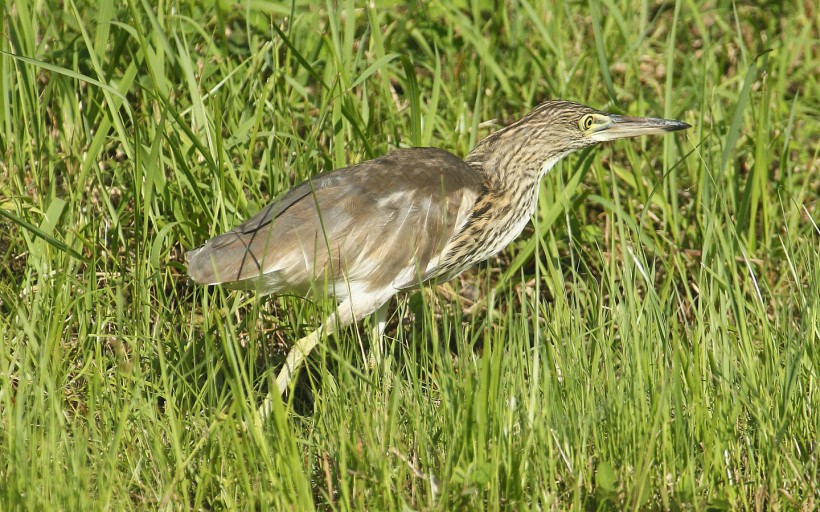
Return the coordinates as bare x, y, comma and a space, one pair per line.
650, 343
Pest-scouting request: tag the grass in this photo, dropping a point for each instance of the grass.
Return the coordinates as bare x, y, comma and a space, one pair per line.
652, 342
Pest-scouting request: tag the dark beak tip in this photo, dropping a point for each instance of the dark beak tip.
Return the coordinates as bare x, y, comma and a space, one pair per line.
680, 125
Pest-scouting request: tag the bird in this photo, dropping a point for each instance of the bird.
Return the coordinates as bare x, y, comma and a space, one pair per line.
363, 233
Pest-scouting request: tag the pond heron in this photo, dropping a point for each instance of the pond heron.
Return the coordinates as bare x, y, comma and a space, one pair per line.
362, 233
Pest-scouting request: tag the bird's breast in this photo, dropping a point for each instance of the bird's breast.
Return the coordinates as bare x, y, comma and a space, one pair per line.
497, 220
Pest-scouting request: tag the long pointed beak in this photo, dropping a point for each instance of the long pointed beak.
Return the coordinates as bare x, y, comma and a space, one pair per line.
621, 127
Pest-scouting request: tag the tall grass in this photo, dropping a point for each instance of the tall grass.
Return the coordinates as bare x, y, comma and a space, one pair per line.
650, 343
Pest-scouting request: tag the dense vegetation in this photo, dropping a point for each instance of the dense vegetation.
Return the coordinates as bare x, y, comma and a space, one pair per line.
651, 343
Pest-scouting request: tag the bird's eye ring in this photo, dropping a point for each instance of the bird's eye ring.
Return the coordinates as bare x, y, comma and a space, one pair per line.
586, 122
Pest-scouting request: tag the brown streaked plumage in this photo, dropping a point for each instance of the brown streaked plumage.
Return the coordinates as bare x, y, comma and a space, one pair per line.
364, 232
315, 229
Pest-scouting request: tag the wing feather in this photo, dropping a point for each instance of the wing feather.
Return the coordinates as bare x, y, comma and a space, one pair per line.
383, 223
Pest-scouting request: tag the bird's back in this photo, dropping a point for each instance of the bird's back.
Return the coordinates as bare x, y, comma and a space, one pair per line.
382, 223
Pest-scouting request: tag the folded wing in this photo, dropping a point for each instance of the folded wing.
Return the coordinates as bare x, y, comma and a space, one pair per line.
382, 223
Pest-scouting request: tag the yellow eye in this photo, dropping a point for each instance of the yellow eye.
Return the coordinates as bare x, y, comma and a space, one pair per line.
586, 122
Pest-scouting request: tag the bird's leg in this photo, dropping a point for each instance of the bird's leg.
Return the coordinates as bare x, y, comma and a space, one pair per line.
379, 321
299, 352
345, 314
297, 355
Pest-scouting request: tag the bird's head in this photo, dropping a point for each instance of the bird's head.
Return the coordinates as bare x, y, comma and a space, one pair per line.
555, 129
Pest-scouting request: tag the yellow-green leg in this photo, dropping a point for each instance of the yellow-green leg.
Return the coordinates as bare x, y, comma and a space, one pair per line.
297, 355
378, 322
345, 314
